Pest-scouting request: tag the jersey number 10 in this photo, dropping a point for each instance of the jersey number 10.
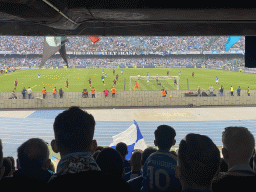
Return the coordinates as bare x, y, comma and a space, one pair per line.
156, 176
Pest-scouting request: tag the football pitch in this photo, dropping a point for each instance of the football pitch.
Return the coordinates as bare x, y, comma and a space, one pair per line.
78, 79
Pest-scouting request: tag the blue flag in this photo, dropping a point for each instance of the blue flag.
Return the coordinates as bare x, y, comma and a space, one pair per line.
132, 137
231, 41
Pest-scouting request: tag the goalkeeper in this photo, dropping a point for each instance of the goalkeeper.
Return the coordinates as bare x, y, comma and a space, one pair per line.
136, 85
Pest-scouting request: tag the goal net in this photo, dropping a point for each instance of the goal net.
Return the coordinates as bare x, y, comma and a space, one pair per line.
155, 82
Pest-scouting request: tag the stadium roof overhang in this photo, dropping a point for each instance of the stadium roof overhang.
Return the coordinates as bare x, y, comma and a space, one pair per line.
121, 18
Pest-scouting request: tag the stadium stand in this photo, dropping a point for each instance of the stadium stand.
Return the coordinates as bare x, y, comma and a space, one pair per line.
34, 45
197, 166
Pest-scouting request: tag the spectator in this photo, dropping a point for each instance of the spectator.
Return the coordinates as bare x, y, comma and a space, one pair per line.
136, 183
74, 130
231, 90
29, 93
7, 163
113, 90
54, 92
95, 154
211, 90
164, 93
238, 91
221, 90
51, 168
238, 148
198, 163
13, 165
85, 93
24, 92
44, 92
198, 91
110, 162
2, 168
97, 151
122, 149
248, 91
161, 161
254, 162
93, 92
13, 96
110, 177
34, 161
223, 165
135, 163
106, 92
100, 148
61, 93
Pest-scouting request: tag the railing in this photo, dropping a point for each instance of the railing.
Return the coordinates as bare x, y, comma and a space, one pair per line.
137, 99
123, 94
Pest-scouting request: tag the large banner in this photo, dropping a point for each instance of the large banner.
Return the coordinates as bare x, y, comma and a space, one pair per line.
51, 46
162, 53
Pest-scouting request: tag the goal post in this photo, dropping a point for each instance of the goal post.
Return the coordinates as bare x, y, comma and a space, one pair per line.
155, 82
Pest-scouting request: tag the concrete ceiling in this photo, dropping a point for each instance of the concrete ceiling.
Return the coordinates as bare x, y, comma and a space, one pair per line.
121, 18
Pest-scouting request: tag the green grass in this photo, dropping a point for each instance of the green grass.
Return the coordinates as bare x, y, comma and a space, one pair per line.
78, 79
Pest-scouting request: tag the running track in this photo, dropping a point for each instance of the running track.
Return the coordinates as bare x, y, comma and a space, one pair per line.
39, 124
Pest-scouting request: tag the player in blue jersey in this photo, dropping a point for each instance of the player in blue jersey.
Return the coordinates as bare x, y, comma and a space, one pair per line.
39, 75
122, 71
179, 73
102, 78
147, 79
159, 168
105, 74
217, 80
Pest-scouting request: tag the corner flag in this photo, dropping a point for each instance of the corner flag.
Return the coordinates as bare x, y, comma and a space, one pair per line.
132, 137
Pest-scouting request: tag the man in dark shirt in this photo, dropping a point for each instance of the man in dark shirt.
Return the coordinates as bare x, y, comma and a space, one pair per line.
238, 148
198, 163
135, 163
122, 149
33, 156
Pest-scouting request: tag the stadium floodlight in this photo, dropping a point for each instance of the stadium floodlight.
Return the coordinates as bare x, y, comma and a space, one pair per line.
155, 82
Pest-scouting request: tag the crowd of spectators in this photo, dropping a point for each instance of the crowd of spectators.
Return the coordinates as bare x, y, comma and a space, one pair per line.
109, 63
34, 44
196, 165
